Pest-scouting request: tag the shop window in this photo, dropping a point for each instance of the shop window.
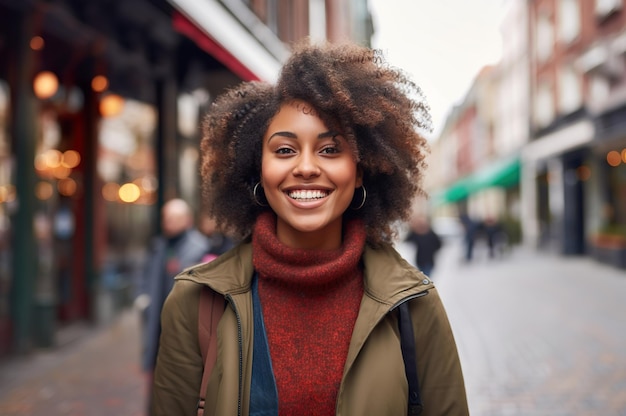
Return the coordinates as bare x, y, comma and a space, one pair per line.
126, 165
616, 159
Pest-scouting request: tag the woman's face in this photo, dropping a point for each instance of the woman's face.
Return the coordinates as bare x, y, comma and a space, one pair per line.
309, 176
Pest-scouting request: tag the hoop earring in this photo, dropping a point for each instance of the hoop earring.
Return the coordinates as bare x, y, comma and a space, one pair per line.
256, 199
364, 198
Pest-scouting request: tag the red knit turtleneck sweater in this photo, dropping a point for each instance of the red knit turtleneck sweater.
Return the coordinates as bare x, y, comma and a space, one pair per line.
310, 301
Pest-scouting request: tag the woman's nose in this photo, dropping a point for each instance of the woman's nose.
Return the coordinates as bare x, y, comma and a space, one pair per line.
306, 166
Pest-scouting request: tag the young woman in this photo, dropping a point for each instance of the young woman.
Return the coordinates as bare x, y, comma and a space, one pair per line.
312, 173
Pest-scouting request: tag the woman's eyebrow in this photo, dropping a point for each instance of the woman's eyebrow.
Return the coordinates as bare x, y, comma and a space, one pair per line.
327, 134
291, 135
287, 134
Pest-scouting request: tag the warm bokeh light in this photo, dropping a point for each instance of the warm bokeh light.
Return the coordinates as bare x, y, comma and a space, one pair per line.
624, 155
61, 172
614, 158
43, 190
70, 159
48, 161
110, 191
4, 194
111, 105
67, 186
99, 83
37, 43
45, 85
40, 163
583, 172
53, 158
129, 192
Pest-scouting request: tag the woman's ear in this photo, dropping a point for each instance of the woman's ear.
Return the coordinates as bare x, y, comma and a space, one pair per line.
359, 177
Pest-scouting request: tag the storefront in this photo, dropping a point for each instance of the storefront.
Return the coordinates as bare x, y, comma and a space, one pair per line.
99, 108
607, 232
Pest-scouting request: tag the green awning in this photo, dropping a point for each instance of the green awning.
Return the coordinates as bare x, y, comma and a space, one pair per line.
503, 173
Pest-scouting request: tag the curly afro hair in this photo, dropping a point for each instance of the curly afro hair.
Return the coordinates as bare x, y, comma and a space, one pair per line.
377, 108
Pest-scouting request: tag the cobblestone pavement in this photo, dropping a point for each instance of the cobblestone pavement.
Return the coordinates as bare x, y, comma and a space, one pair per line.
97, 374
538, 334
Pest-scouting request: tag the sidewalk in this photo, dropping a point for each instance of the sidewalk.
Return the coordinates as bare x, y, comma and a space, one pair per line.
538, 333
96, 374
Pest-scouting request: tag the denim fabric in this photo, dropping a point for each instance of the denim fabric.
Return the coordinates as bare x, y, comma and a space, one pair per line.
263, 393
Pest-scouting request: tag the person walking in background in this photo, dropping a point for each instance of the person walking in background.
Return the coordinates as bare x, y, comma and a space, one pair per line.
313, 173
470, 229
219, 243
179, 246
495, 235
427, 243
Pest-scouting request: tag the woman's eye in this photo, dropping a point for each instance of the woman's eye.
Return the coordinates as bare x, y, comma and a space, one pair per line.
284, 151
330, 150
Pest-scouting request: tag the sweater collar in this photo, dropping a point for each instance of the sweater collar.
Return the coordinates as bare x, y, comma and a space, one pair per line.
309, 269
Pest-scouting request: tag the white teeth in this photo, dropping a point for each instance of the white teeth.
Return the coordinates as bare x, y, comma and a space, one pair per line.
308, 194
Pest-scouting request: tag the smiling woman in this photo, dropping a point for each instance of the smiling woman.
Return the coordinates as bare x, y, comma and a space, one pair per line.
312, 174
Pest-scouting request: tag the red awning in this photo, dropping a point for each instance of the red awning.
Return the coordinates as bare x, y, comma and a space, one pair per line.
209, 45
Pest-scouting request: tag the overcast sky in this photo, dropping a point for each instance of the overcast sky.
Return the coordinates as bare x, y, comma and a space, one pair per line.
442, 44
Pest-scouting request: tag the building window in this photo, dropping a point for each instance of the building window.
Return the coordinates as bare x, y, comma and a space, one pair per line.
570, 95
544, 38
606, 7
599, 88
317, 20
569, 20
544, 105
272, 16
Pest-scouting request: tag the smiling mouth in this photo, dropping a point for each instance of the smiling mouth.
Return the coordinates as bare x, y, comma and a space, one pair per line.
308, 195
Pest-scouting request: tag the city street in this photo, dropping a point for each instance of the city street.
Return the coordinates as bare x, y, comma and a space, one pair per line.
538, 334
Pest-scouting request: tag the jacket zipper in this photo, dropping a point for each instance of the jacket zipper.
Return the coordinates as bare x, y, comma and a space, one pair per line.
240, 342
408, 298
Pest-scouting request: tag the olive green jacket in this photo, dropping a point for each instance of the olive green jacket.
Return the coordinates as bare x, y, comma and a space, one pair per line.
374, 381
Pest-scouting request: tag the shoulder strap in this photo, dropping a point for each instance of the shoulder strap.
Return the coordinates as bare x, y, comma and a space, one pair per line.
210, 309
409, 354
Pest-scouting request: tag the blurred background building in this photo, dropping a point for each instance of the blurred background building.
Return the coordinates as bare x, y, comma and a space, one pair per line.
539, 141
100, 105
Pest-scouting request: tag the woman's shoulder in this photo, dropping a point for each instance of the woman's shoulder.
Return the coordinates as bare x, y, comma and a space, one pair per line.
386, 256
228, 272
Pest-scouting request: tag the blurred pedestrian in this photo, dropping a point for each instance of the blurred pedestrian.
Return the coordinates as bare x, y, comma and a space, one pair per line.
471, 228
179, 246
219, 243
427, 243
495, 235
313, 173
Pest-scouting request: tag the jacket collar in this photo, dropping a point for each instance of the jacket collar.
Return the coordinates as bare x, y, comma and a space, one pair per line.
388, 278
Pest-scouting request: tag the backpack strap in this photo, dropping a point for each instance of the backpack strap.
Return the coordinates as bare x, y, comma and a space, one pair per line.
210, 310
409, 354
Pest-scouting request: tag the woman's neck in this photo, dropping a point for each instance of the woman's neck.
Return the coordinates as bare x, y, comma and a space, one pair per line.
327, 238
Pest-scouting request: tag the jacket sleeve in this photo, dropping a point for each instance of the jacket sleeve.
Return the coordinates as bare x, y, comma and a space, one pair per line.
439, 368
178, 372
